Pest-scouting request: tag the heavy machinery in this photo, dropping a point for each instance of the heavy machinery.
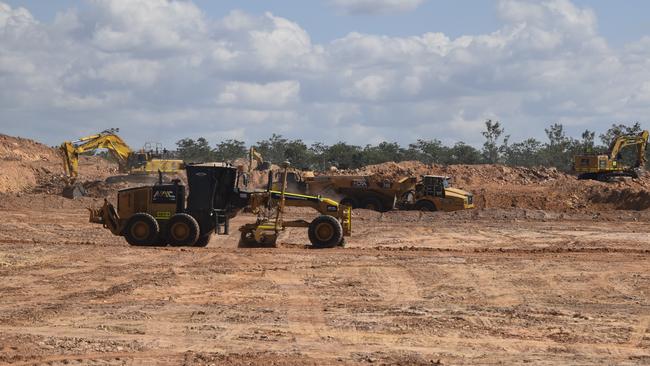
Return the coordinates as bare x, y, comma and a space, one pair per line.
143, 162
429, 193
603, 167
160, 214
256, 157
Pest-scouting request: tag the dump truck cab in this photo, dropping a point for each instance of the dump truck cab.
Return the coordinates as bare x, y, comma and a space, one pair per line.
434, 193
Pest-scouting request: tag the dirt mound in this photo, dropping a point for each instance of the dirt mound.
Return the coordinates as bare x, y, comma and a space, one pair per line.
28, 166
539, 188
23, 161
622, 199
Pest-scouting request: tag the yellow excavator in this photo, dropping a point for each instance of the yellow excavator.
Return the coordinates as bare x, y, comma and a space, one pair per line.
606, 166
254, 156
129, 161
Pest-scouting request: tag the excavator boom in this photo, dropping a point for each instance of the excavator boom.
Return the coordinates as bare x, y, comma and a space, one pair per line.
104, 140
640, 140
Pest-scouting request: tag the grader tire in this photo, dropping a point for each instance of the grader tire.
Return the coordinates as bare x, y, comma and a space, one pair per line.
142, 230
203, 240
182, 230
325, 232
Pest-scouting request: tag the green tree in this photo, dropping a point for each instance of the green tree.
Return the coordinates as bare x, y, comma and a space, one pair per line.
560, 149
461, 153
385, 151
343, 156
618, 130
491, 149
297, 153
587, 143
197, 151
273, 149
524, 153
230, 150
430, 151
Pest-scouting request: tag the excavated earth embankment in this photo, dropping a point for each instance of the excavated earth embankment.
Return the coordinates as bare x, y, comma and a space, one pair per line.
29, 167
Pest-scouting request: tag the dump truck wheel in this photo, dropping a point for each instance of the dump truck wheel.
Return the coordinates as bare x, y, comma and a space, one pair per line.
425, 206
373, 203
325, 232
203, 240
141, 229
182, 229
349, 201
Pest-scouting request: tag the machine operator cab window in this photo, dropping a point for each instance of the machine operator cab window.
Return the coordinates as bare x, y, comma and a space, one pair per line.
435, 185
138, 159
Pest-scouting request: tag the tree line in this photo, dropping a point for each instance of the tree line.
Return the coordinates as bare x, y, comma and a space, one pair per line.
556, 151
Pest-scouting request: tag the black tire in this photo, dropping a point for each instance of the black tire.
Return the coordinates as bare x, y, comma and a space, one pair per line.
373, 203
142, 230
350, 201
203, 240
325, 232
425, 206
182, 230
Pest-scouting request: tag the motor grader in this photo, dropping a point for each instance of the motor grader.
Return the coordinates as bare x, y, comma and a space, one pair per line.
160, 214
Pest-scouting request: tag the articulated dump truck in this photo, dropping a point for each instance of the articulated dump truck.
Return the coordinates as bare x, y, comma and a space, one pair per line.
160, 214
428, 193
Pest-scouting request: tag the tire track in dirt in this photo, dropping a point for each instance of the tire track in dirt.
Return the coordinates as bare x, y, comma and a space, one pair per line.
117, 358
393, 283
639, 332
304, 309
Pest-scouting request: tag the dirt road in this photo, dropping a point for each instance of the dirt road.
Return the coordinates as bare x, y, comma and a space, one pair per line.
482, 287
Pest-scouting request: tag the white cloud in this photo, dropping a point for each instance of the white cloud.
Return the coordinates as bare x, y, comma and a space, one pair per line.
375, 6
271, 95
164, 70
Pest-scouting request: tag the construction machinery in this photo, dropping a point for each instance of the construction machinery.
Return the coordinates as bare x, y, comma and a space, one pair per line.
256, 157
428, 193
161, 214
603, 167
143, 162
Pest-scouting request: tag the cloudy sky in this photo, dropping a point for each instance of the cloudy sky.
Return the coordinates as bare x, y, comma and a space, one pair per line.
360, 71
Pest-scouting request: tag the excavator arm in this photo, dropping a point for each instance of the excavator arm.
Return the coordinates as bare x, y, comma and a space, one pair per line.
254, 156
104, 140
641, 142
